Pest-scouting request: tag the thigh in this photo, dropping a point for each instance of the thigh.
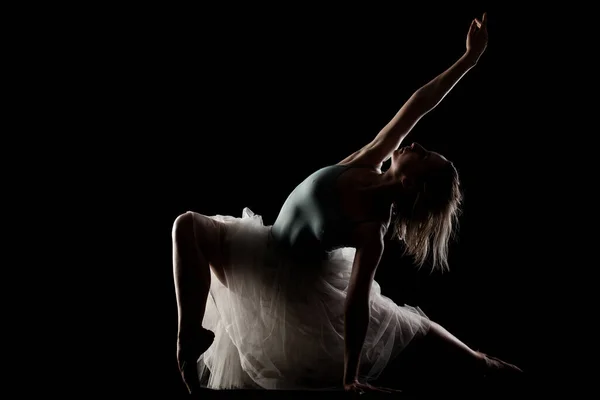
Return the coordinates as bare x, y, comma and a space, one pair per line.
210, 238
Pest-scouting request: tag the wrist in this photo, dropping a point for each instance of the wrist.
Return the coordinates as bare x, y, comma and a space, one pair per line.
470, 58
350, 373
350, 381
350, 376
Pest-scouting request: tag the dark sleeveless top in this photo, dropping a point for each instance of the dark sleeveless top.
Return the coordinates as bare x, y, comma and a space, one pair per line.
311, 221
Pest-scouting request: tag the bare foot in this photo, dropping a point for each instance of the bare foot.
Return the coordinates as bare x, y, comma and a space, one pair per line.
188, 353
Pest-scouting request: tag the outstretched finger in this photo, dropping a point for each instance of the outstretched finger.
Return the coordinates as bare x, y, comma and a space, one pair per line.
388, 390
472, 27
384, 389
484, 19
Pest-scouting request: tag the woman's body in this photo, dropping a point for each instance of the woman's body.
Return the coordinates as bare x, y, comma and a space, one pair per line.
316, 221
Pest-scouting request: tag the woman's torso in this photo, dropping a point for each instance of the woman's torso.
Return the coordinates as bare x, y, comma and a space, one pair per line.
323, 211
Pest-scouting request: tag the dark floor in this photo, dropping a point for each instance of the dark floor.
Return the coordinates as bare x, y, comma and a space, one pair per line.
484, 389
428, 393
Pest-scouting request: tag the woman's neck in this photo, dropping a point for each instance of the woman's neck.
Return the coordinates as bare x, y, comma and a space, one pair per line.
387, 188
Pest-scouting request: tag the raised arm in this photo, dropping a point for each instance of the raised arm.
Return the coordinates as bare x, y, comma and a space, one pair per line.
424, 100
357, 313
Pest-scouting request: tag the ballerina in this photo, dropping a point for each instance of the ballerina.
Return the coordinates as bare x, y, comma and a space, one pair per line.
295, 305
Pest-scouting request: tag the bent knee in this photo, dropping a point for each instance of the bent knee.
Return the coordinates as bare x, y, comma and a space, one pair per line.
196, 227
183, 225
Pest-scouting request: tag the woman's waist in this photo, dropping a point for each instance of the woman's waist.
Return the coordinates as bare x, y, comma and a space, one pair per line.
300, 249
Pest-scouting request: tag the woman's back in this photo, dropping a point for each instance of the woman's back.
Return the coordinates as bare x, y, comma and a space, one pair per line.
311, 220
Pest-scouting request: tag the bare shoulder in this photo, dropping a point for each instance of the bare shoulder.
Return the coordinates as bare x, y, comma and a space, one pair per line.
369, 234
371, 230
359, 201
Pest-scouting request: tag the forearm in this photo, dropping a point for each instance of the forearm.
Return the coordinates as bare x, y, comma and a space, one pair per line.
355, 331
431, 94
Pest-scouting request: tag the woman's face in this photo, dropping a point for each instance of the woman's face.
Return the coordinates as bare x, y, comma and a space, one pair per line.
414, 161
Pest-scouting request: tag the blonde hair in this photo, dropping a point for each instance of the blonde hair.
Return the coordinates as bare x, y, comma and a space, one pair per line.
427, 221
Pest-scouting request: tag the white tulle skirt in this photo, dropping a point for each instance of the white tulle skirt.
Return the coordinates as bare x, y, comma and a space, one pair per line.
279, 323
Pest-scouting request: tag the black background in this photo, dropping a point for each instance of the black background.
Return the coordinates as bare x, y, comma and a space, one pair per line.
216, 109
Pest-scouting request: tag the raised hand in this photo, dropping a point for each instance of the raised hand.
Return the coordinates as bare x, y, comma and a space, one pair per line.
477, 38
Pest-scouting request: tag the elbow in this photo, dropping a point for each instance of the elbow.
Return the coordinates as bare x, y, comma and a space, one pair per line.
424, 99
419, 95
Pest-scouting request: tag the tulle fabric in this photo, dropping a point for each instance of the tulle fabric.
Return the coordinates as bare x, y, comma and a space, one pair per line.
279, 323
